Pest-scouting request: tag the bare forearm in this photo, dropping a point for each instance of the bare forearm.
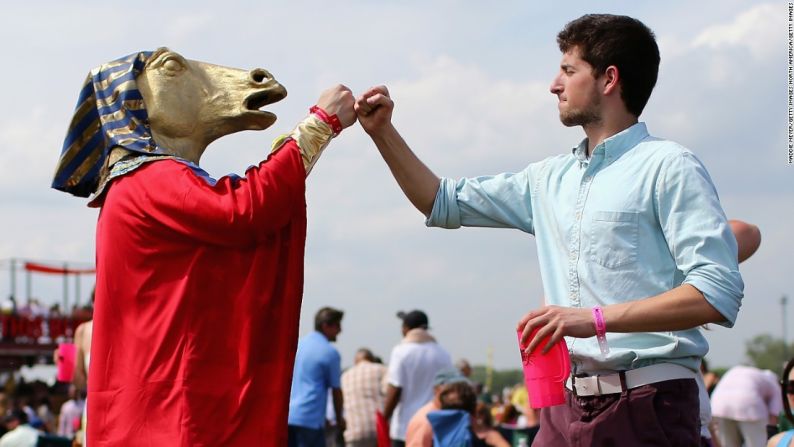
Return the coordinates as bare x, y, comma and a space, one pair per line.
392, 398
338, 402
678, 309
80, 375
415, 179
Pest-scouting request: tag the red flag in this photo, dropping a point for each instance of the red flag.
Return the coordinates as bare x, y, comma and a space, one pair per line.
41, 268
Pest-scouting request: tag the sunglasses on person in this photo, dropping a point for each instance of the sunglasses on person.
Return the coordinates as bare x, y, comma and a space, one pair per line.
788, 386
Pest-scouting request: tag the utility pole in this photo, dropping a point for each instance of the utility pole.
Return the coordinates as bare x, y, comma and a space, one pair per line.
489, 371
783, 302
65, 286
14, 278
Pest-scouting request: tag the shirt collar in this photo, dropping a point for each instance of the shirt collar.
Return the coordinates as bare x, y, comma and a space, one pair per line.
319, 336
418, 335
614, 146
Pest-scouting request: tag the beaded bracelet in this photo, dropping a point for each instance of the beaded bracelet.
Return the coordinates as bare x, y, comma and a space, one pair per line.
331, 120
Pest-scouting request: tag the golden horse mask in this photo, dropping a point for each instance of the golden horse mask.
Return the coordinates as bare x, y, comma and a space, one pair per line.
159, 103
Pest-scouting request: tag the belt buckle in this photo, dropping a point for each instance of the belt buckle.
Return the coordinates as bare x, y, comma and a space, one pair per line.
587, 386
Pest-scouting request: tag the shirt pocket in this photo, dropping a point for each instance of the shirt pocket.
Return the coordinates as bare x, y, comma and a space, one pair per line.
613, 238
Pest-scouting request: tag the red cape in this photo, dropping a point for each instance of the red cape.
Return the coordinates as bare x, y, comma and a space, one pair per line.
198, 299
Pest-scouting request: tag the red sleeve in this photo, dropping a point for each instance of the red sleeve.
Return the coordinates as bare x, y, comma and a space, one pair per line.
235, 212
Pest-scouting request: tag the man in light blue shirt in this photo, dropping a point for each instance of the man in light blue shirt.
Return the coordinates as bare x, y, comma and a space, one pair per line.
632, 241
317, 369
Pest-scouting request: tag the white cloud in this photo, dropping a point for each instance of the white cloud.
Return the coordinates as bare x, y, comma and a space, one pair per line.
31, 141
463, 111
759, 30
460, 117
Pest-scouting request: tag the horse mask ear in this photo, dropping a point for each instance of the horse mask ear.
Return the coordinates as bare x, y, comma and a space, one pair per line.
110, 113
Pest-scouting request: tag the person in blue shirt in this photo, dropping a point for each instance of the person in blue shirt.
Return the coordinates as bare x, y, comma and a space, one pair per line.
635, 250
317, 369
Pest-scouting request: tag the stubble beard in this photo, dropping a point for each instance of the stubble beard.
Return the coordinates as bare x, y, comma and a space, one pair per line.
580, 118
583, 117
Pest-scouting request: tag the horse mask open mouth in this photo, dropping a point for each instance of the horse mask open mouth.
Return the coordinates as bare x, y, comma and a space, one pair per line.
266, 96
124, 103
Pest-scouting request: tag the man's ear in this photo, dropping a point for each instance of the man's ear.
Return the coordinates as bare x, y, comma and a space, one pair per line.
611, 79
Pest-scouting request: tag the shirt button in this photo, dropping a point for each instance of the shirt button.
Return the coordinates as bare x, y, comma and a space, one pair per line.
587, 178
578, 215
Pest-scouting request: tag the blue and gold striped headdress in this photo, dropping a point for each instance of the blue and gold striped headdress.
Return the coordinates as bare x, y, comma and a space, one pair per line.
110, 113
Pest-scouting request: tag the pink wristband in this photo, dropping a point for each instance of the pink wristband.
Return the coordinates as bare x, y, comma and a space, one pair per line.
601, 329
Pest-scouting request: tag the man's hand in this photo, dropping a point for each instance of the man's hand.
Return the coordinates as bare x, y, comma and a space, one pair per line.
555, 322
678, 309
393, 394
338, 100
374, 109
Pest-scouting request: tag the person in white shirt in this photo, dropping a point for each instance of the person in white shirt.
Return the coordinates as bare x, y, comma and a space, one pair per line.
20, 434
71, 414
412, 366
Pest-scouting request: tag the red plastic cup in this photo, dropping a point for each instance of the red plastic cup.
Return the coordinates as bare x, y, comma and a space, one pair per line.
545, 374
67, 354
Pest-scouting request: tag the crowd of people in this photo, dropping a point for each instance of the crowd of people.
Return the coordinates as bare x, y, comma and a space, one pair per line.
635, 254
38, 414
419, 379
418, 394
35, 308
411, 392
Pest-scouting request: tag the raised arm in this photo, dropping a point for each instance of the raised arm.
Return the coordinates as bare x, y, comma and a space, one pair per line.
374, 109
313, 134
233, 211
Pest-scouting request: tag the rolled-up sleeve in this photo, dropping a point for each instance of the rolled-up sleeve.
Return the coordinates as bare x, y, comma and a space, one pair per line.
446, 213
698, 233
500, 201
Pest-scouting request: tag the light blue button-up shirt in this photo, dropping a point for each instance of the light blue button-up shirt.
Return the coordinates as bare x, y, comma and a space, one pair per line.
641, 216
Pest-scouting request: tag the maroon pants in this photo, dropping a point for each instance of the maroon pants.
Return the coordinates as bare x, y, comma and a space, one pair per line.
660, 414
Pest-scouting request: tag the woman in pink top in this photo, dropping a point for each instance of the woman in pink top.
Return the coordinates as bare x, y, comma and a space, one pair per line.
745, 400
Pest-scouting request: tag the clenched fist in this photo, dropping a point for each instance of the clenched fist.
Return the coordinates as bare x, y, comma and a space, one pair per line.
338, 100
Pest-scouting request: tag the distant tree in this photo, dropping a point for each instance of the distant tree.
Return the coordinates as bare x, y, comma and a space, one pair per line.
767, 352
719, 370
500, 378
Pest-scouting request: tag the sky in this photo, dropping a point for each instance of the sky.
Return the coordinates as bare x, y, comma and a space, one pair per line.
470, 83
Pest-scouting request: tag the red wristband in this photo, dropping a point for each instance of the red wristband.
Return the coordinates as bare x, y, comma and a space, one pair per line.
601, 329
331, 120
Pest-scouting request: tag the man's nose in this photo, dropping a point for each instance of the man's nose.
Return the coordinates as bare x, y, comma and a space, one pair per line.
556, 86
